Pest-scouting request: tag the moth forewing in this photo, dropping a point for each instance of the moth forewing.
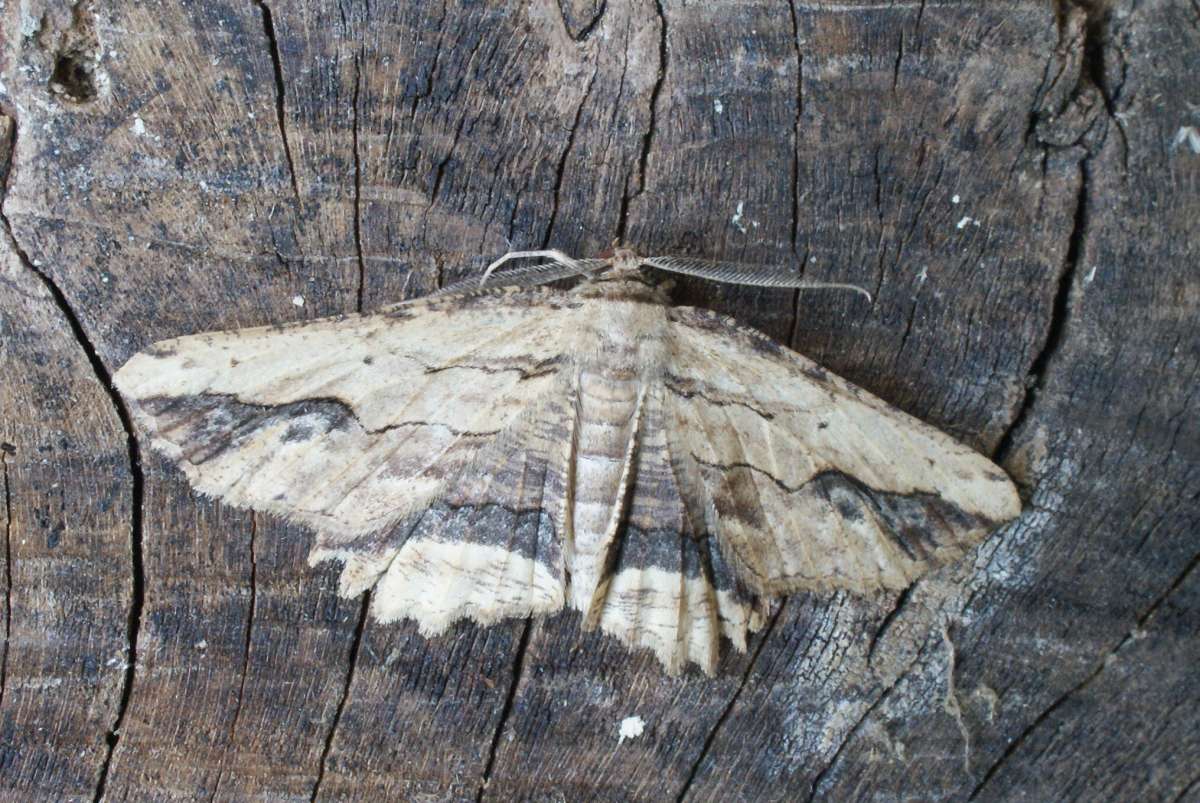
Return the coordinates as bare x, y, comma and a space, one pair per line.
510, 452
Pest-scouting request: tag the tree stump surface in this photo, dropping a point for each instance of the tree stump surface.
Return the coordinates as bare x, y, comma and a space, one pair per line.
1016, 184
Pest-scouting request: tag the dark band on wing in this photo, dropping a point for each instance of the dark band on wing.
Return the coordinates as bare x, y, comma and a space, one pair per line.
210, 424
919, 523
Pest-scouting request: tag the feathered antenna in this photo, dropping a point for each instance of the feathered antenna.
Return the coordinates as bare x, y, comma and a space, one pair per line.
733, 273
555, 256
562, 267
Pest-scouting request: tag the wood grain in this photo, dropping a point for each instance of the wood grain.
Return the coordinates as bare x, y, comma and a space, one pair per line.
204, 167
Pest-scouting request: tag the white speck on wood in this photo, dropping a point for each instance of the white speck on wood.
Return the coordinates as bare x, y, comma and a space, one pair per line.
297, 301
1187, 135
138, 128
718, 107
736, 220
631, 728
955, 199
1091, 276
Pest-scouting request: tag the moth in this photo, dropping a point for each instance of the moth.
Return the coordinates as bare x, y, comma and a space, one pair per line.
509, 451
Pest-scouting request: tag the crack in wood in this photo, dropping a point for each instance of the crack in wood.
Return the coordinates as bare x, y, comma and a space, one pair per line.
898, 62
280, 110
709, 740
1059, 316
648, 137
355, 647
133, 451
794, 326
1092, 75
506, 710
1101, 665
586, 31
889, 619
1194, 784
8, 581
884, 694
795, 178
562, 161
358, 248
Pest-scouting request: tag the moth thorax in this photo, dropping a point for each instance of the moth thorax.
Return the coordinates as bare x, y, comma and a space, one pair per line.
634, 287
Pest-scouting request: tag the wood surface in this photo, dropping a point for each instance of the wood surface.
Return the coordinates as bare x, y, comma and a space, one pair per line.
1014, 181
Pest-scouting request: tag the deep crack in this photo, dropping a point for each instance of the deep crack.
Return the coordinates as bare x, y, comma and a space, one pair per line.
1099, 668
280, 111
897, 607
1060, 315
358, 247
355, 647
8, 581
1093, 77
137, 596
794, 326
506, 711
562, 162
648, 137
586, 31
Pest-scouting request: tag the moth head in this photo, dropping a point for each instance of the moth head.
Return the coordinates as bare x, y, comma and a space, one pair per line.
625, 261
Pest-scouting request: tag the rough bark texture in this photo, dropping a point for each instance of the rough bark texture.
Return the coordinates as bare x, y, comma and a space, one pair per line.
1019, 186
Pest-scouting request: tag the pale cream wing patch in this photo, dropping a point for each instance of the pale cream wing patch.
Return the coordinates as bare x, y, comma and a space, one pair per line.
817, 484
351, 424
666, 586
490, 547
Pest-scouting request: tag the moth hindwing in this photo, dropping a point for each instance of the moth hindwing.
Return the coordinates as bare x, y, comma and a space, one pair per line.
508, 453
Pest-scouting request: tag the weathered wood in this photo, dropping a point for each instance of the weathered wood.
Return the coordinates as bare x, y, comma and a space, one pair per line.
1008, 180
67, 577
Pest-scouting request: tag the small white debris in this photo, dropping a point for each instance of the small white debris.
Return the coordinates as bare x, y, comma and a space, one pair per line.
138, 128
202, 644
955, 199
297, 301
1091, 276
1189, 135
923, 275
104, 278
631, 728
736, 220
41, 684
718, 107
962, 224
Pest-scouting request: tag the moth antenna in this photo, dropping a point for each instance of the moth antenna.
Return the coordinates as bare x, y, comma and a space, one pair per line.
526, 275
734, 273
523, 273
552, 254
